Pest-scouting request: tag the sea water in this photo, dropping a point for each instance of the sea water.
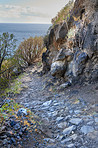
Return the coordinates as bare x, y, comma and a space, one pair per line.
24, 31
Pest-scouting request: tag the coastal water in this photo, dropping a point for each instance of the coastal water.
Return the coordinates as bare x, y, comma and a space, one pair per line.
24, 31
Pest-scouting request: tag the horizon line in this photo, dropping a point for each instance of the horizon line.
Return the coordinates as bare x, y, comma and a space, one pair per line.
22, 23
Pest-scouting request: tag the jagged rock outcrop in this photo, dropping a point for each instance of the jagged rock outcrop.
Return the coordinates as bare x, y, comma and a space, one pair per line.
72, 51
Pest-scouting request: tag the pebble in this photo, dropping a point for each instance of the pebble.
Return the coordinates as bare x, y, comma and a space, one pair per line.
5, 141
61, 137
22, 112
67, 117
76, 121
70, 146
77, 111
54, 113
74, 136
87, 129
59, 119
96, 119
13, 140
66, 140
12, 123
90, 123
17, 126
62, 125
68, 130
2, 128
47, 103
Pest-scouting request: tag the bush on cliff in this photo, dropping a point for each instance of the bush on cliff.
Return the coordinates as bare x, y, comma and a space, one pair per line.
30, 49
64, 14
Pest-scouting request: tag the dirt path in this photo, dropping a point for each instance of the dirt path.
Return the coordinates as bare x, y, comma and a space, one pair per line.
69, 117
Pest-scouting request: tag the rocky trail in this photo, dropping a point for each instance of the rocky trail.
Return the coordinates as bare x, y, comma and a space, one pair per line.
69, 117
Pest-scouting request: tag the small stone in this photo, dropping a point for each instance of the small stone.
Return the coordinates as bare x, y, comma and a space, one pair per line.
62, 125
77, 111
5, 141
65, 85
13, 140
96, 127
9, 146
22, 112
68, 130
49, 114
96, 119
3, 128
52, 140
12, 123
68, 117
46, 139
87, 129
56, 104
18, 137
74, 137
70, 146
93, 135
66, 140
54, 113
47, 103
62, 138
20, 133
70, 111
52, 109
90, 123
83, 147
59, 119
76, 121
17, 126
3, 137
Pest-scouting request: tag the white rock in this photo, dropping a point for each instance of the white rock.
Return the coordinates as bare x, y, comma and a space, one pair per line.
66, 140
70, 146
74, 136
62, 125
59, 119
22, 112
68, 130
76, 121
47, 103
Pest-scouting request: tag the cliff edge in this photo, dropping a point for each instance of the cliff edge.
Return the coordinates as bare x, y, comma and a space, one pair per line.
72, 43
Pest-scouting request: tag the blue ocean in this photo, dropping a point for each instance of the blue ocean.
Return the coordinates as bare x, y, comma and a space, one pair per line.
24, 31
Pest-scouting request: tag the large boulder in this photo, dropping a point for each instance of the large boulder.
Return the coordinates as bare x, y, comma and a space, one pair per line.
58, 68
61, 61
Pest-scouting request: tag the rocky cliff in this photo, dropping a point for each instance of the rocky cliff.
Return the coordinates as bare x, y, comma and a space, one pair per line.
72, 44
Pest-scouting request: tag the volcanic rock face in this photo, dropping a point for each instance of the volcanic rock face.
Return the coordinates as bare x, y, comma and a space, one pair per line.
73, 45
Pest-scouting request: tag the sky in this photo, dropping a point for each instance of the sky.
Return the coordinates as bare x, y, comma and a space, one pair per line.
30, 11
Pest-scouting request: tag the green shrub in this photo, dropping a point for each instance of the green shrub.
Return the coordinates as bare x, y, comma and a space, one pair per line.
29, 50
7, 47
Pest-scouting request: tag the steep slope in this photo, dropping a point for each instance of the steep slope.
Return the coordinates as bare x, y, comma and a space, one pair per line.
72, 44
